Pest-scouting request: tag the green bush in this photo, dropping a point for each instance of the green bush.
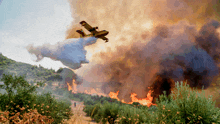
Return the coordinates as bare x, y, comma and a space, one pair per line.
104, 113
51, 77
49, 106
59, 70
89, 102
114, 112
131, 115
21, 97
109, 112
186, 106
18, 92
92, 110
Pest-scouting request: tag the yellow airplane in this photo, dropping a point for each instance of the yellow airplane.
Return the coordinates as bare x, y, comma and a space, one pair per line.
94, 33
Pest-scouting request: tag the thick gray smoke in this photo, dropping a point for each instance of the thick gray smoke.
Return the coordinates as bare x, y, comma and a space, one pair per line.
173, 53
197, 63
70, 52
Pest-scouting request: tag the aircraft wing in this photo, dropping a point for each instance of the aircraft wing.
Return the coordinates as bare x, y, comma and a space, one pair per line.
88, 27
104, 38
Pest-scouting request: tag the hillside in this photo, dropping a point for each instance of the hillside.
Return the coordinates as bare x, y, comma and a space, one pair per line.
31, 72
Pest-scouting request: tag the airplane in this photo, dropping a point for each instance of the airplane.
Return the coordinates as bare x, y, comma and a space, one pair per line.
94, 33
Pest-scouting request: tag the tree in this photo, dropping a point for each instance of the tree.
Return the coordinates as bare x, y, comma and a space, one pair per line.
17, 89
59, 70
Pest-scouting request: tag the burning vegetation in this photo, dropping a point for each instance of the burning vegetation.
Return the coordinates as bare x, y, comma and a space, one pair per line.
143, 101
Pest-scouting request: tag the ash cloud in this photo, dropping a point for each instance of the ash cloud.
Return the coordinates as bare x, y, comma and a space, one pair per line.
70, 52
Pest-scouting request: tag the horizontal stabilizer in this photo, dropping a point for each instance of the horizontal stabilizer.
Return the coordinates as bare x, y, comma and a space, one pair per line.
82, 34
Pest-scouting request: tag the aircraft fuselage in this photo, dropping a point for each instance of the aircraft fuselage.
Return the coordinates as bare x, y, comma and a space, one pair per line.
101, 33
93, 31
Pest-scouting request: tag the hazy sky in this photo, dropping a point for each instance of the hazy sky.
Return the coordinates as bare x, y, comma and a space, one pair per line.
24, 22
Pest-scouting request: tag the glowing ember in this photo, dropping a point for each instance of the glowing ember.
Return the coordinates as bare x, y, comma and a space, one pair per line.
144, 101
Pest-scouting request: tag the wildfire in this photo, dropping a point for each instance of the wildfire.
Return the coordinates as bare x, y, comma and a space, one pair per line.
144, 101
92, 91
88, 90
114, 95
69, 87
72, 87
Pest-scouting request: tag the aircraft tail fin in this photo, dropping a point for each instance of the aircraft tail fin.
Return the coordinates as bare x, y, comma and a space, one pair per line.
82, 34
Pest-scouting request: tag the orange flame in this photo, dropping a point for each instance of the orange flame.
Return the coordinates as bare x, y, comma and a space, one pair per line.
144, 101
69, 87
86, 90
74, 87
114, 95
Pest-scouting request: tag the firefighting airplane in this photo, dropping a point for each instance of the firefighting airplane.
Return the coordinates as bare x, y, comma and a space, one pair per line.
94, 33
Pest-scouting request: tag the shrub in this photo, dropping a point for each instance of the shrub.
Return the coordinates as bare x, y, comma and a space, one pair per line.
21, 97
186, 106
89, 102
92, 110
132, 115
18, 92
59, 70
109, 112
49, 106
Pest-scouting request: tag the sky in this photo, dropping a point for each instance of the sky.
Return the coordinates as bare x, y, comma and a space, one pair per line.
35, 22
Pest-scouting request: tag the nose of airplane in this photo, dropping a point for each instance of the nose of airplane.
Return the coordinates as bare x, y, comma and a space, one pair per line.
106, 32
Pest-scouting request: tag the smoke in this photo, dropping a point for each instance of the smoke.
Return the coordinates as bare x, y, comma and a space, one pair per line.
68, 77
172, 11
174, 53
70, 52
209, 33
131, 17
151, 44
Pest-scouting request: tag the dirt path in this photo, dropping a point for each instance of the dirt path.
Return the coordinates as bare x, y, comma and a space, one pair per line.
79, 116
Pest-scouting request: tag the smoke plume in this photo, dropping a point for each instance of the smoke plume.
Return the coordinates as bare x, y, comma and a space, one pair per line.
70, 52
152, 43
126, 19
174, 53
